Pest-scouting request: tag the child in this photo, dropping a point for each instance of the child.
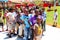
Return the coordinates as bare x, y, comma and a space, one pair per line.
5, 15
1, 21
38, 30
25, 19
19, 25
55, 17
11, 23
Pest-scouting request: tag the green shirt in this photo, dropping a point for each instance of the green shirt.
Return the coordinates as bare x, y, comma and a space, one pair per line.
1, 20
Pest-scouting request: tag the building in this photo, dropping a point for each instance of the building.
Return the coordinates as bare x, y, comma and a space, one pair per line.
19, 1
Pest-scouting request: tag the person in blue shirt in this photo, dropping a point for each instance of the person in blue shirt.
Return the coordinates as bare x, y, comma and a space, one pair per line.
27, 23
44, 19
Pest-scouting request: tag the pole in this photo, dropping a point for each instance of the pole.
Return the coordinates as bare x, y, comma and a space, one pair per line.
54, 4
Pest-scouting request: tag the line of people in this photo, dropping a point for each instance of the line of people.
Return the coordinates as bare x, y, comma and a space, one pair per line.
27, 23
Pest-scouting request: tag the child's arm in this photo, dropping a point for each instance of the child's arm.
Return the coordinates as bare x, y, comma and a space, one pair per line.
30, 23
2, 19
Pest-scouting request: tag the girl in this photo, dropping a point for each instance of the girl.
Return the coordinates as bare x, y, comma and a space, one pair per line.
37, 30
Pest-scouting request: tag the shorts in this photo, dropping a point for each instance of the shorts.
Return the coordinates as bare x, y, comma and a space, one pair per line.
38, 37
18, 23
10, 26
55, 20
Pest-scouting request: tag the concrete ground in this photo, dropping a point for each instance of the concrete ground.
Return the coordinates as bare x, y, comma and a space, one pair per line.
51, 33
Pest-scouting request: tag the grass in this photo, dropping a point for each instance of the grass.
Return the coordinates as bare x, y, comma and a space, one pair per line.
50, 16
49, 20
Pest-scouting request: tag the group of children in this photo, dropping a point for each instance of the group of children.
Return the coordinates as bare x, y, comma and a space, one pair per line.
28, 23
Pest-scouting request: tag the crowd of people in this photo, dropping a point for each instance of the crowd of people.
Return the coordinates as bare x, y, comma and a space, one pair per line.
28, 23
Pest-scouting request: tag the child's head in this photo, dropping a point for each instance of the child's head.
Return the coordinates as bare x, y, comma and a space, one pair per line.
36, 12
38, 20
26, 12
6, 11
40, 12
43, 9
55, 10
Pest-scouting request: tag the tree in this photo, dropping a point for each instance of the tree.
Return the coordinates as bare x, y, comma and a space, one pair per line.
59, 1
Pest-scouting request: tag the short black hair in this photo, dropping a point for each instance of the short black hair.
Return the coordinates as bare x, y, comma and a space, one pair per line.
37, 7
36, 10
43, 8
10, 9
55, 9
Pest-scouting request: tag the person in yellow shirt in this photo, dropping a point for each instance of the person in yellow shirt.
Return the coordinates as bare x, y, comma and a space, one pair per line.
1, 21
38, 30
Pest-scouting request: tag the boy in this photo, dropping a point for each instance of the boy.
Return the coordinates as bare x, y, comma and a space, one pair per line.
1, 21
55, 17
44, 19
25, 19
10, 22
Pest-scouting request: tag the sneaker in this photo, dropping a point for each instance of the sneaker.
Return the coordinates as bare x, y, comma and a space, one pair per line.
29, 37
6, 29
0, 31
42, 34
9, 36
54, 25
20, 36
14, 34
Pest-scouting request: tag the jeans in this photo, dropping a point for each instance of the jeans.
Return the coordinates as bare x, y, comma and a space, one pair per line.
32, 34
26, 33
44, 25
21, 28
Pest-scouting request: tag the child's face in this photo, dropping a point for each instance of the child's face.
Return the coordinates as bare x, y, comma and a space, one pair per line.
36, 13
38, 20
26, 12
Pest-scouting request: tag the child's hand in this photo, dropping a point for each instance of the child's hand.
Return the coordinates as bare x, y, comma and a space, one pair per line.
22, 21
31, 27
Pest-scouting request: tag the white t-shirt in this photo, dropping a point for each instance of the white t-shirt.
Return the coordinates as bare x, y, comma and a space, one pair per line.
55, 15
30, 15
14, 14
11, 18
33, 13
21, 14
